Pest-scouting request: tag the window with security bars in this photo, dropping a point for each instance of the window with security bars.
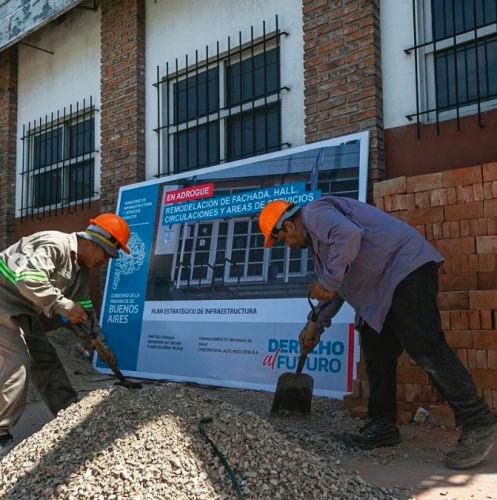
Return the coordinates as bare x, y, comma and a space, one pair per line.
58, 163
455, 51
224, 108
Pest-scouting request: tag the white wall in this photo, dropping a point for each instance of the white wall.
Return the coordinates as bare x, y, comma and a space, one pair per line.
179, 27
399, 85
49, 82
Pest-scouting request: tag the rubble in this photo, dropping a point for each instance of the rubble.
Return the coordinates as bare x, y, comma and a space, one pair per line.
114, 446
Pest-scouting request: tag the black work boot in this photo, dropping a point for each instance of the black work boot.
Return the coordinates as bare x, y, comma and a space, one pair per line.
472, 447
5, 443
375, 434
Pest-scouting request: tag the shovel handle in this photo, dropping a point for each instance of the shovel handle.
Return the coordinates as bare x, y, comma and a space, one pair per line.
301, 363
302, 358
103, 353
316, 311
311, 326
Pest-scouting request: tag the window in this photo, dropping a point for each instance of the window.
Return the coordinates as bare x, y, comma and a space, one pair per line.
456, 58
224, 108
58, 161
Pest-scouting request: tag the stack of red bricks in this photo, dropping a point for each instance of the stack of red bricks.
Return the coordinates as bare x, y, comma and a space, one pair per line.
456, 211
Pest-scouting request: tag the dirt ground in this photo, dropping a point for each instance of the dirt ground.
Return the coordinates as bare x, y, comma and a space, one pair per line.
417, 464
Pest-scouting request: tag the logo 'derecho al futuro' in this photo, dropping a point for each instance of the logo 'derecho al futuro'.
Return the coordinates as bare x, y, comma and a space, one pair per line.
284, 355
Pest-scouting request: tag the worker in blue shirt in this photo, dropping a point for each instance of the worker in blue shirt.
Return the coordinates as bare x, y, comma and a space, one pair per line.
389, 274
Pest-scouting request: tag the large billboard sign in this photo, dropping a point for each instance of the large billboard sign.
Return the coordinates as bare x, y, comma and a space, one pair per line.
200, 299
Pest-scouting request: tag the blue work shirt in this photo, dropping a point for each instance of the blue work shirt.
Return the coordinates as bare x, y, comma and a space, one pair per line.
362, 254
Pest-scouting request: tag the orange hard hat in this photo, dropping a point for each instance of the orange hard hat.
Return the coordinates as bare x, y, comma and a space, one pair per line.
272, 217
110, 231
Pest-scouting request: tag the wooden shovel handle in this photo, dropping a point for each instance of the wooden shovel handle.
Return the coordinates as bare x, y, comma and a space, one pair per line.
104, 354
311, 326
300, 366
301, 363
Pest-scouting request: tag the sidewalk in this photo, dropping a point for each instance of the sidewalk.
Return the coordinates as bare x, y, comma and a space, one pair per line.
421, 467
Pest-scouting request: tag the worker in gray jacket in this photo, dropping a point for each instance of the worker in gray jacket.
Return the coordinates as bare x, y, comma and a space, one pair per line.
48, 273
389, 274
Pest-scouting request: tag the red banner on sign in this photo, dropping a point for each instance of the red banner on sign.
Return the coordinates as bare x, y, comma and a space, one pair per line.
189, 194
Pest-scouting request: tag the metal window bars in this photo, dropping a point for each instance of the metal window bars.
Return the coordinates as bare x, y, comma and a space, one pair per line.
222, 108
58, 162
457, 47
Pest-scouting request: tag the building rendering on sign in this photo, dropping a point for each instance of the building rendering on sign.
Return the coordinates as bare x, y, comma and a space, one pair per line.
213, 248
96, 95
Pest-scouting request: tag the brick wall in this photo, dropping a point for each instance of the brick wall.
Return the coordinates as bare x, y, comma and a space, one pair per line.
8, 133
122, 97
456, 211
342, 62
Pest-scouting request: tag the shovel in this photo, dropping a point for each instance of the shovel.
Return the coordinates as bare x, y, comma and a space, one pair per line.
103, 353
294, 390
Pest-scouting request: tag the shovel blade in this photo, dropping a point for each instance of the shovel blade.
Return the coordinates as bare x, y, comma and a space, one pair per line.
293, 393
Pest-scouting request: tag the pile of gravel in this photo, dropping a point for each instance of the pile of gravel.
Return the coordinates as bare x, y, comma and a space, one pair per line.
114, 446
320, 432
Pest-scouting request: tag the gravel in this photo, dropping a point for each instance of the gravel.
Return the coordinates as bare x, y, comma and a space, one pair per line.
321, 432
113, 446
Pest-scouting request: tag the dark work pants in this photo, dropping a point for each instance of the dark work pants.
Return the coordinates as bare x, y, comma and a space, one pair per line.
413, 323
25, 352
47, 373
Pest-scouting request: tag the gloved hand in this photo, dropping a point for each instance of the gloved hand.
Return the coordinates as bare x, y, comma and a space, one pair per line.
308, 341
77, 314
319, 292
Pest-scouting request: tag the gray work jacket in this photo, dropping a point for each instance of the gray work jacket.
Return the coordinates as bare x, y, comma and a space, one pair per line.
40, 274
362, 254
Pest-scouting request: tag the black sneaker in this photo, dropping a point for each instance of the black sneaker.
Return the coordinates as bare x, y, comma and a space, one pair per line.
472, 447
375, 434
6, 443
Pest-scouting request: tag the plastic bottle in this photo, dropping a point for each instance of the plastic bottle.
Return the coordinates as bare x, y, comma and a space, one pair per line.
82, 349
